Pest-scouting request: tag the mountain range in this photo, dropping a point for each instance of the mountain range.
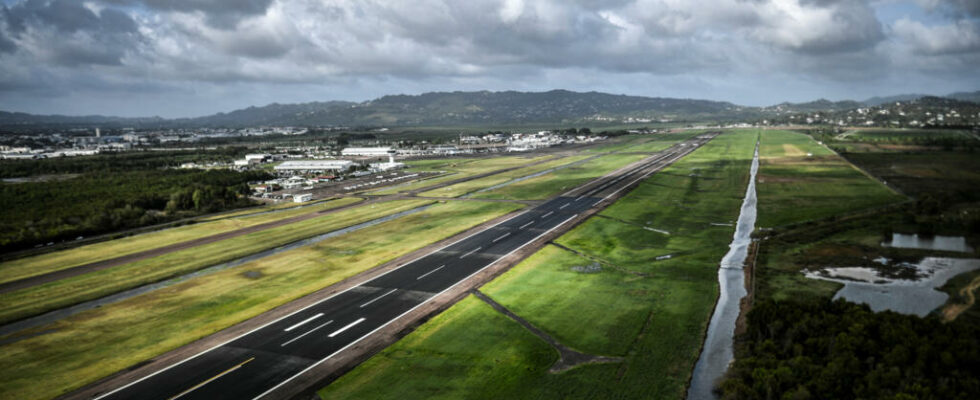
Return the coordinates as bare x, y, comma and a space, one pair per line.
466, 108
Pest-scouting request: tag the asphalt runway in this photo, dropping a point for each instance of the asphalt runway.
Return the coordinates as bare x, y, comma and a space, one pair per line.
262, 360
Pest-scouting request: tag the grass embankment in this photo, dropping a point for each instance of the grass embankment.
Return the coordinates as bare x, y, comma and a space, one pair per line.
552, 184
652, 313
462, 188
457, 168
54, 295
800, 180
86, 347
50, 262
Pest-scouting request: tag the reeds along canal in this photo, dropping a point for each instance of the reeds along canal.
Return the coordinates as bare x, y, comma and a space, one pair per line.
717, 353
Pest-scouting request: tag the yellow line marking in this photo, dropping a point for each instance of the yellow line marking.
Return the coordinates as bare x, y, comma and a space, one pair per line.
198, 386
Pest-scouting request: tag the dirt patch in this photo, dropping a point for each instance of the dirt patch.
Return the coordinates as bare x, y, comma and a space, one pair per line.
252, 274
951, 311
593, 268
791, 150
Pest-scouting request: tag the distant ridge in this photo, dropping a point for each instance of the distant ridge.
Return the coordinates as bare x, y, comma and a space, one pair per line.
466, 108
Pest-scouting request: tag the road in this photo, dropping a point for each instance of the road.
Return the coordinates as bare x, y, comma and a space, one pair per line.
258, 362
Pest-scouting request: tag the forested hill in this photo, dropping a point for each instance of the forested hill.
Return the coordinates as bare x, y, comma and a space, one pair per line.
458, 108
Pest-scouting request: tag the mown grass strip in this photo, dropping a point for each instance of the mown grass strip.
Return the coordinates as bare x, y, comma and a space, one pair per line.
91, 345
462, 188
50, 262
50, 296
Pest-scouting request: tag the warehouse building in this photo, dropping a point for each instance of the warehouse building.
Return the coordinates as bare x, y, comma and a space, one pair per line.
315, 165
367, 151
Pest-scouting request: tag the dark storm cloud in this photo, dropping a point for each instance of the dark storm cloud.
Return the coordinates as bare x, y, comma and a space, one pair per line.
366, 47
65, 32
966, 7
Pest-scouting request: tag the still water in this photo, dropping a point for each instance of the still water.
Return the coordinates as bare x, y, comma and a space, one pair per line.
717, 353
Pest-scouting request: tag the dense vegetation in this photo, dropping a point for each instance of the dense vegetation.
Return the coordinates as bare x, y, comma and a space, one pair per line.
112, 198
840, 350
800, 345
113, 162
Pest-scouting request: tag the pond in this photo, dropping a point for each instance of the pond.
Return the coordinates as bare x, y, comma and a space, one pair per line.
917, 296
915, 241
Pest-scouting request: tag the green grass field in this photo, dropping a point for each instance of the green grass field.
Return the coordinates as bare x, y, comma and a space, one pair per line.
640, 143
652, 313
50, 296
54, 261
462, 188
86, 347
549, 185
457, 168
906, 135
800, 180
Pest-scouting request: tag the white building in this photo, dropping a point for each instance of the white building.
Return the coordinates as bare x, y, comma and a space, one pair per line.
302, 198
315, 165
366, 151
259, 157
391, 164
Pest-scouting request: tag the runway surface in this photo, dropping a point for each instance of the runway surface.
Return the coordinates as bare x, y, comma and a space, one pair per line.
259, 361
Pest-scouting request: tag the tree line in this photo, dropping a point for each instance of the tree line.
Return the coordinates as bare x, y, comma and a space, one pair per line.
842, 350
103, 201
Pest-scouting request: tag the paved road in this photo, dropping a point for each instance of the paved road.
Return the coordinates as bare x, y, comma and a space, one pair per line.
263, 359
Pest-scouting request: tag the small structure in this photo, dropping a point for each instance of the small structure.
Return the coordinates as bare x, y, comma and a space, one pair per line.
390, 165
302, 198
315, 165
366, 151
258, 157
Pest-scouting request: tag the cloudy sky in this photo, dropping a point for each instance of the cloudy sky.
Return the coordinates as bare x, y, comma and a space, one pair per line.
176, 58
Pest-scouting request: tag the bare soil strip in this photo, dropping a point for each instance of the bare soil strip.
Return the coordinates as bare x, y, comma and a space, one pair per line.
950, 312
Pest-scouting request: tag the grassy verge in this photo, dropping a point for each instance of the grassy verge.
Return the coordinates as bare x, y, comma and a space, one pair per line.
801, 180
652, 313
549, 185
83, 348
50, 262
50, 296
462, 188
479, 347
458, 168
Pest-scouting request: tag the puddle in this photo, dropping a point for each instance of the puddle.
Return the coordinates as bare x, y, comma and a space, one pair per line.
883, 291
943, 243
717, 352
55, 315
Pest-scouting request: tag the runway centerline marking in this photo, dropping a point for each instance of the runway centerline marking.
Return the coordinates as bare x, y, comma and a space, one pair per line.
301, 323
501, 237
377, 298
566, 205
471, 252
546, 215
198, 386
526, 225
307, 333
427, 273
346, 327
